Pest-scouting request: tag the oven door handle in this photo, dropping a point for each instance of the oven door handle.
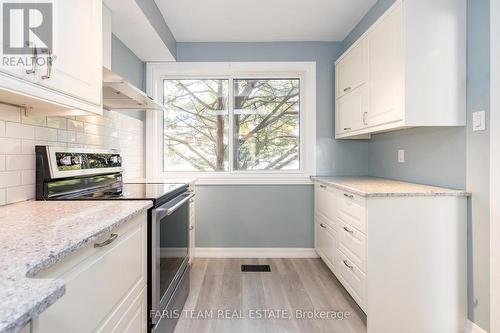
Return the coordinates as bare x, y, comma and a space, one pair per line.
168, 211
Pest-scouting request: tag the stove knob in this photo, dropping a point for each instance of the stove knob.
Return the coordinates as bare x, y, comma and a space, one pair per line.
66, 160
113, 159
76, 159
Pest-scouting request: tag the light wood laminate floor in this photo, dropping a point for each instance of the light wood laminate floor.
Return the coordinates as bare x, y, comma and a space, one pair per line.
292, 284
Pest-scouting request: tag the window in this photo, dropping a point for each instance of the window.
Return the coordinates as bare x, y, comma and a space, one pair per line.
265, 133
239, 121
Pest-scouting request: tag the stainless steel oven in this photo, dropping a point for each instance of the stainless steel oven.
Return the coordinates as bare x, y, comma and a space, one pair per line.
169, 261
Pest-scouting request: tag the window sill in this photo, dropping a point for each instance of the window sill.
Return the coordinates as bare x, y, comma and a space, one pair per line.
243, 180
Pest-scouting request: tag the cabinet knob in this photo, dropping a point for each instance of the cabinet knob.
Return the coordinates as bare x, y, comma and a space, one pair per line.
350, 196
191, 227
347, 128
322, 225
347, 89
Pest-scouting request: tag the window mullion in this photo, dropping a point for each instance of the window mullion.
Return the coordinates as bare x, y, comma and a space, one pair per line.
231, 125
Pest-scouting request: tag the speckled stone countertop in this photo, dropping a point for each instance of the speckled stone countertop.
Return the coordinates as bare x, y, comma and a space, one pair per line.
381, 187
36, 234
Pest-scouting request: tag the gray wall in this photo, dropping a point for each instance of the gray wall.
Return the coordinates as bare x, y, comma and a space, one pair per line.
453, 157
254, 216
125, 63
234, 225
478, 159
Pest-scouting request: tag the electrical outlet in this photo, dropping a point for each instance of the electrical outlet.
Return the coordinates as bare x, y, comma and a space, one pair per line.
478, 121
401, 155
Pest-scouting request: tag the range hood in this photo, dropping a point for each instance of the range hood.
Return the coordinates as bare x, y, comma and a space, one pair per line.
118, 94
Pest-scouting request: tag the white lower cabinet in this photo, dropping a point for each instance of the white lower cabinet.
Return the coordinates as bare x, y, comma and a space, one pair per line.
401, 258
105, 285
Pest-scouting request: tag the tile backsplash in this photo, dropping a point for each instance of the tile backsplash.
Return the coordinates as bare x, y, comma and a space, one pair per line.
19, 135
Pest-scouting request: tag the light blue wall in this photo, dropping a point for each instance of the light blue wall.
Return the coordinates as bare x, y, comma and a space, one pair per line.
125, 63
254, 216
274, 215
478, 160
452, 157
156, 19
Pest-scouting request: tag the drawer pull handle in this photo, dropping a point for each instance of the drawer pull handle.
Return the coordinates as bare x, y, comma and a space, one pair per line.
322, 186
347, 89
347, 128
349, 231
347, 265
108, 241
322, 225
350, 196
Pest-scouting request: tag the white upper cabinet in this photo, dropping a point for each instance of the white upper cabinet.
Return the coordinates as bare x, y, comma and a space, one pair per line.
353, 70
411, 65
67, 76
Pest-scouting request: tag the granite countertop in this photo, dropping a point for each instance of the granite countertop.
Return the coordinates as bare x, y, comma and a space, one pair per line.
381, 187
36, 234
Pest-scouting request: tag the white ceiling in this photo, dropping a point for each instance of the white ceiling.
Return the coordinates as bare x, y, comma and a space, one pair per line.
262, 20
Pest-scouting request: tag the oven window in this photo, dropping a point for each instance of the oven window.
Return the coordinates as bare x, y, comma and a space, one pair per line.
174, 236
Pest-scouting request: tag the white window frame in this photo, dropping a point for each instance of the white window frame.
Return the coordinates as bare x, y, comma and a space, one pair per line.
305, 71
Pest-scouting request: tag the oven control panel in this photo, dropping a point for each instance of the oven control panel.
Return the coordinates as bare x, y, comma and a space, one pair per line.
82, 161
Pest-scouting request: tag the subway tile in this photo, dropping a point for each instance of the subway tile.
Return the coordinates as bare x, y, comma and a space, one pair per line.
2, 128
10, 178
2, 197
2, 162
18, 130
28, 146
19, 162
56, 122
66, 136
19, 193
34, 120
10, 113
10, 146
75, 125
28, 177
47, 134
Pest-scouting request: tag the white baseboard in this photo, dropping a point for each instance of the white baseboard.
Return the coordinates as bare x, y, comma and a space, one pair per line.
470, 327
254, 252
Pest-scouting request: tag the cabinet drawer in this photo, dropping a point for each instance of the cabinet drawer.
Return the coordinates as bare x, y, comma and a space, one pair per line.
98, 283
352, 210
351, 277
326, 200
326, 243
352, 243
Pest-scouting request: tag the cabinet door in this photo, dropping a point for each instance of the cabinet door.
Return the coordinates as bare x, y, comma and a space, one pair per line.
352, 110
386, 69
18, 63
77, 50
326, 243
352, 70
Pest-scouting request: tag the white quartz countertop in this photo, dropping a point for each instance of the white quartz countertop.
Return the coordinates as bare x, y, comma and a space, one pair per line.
36, 234
382, 187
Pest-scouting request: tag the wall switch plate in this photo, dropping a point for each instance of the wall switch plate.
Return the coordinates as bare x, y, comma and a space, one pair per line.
478, 121
401, 155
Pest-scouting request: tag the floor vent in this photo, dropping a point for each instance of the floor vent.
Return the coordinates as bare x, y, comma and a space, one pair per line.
255, 268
